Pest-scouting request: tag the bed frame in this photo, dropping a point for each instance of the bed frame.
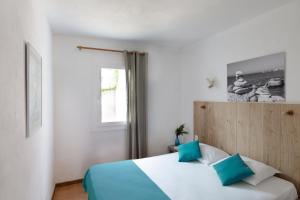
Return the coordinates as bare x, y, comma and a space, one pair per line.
267, 132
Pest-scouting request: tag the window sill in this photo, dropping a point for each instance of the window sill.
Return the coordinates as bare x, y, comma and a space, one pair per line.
110, 127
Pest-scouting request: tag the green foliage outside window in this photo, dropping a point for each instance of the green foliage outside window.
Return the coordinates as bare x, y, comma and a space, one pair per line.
112, 86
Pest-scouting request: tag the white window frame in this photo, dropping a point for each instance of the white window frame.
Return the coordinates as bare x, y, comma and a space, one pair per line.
98, 124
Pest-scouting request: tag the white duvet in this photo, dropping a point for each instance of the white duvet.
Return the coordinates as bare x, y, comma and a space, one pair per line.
193, 180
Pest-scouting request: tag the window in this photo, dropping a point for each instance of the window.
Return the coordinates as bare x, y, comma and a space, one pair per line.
113, 95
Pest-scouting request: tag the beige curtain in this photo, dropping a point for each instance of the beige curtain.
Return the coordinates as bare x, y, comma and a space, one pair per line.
136, 75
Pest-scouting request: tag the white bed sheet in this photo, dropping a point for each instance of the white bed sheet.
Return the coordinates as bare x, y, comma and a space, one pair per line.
193, 180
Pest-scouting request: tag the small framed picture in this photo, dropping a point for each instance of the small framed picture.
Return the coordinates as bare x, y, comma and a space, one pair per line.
33, 70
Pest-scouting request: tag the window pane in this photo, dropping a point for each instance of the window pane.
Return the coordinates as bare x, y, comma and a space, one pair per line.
113, 95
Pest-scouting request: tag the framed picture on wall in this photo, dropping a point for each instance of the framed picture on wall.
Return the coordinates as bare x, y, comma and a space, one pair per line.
260, 79
33, 62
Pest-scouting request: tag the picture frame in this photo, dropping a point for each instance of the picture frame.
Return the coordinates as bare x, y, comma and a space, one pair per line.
260, 79
33, 73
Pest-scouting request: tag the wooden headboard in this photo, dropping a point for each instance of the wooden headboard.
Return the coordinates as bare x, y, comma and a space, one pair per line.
267, 132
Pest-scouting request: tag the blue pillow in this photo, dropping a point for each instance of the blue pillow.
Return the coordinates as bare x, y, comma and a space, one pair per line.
232, 170
189, 151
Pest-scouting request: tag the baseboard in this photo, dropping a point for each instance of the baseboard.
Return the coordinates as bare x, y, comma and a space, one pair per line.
68, 183
65, 184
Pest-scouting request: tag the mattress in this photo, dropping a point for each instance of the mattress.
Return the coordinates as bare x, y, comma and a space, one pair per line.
193, 180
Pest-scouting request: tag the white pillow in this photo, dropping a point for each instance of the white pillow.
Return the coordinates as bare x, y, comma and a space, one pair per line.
211, 154
261, 171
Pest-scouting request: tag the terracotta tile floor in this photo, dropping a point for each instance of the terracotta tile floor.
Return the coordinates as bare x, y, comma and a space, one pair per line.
70, 192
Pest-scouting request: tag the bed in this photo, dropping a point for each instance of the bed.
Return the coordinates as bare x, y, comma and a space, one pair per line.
166, 178
269, 133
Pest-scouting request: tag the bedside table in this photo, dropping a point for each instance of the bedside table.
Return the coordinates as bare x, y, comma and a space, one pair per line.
172, 148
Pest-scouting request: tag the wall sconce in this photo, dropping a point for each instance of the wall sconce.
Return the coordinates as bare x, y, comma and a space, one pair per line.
211, 82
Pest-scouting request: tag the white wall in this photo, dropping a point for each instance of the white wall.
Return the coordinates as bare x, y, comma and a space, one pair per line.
76, 147
26, 164
272, 32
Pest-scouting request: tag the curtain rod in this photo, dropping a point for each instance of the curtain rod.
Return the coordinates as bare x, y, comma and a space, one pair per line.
99, 49
102, 49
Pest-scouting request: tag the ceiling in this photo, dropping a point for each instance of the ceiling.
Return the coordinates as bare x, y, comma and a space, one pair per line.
171, 22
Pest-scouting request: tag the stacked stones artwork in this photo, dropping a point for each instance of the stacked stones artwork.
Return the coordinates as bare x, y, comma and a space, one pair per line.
257, 80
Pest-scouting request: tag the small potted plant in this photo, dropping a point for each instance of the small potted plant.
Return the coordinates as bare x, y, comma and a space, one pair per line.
179, 131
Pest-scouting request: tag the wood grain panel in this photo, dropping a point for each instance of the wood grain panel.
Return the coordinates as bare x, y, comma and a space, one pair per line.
263, 131
250, 130
215, 124
223, 126
200, 119
290, 144
271, 134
